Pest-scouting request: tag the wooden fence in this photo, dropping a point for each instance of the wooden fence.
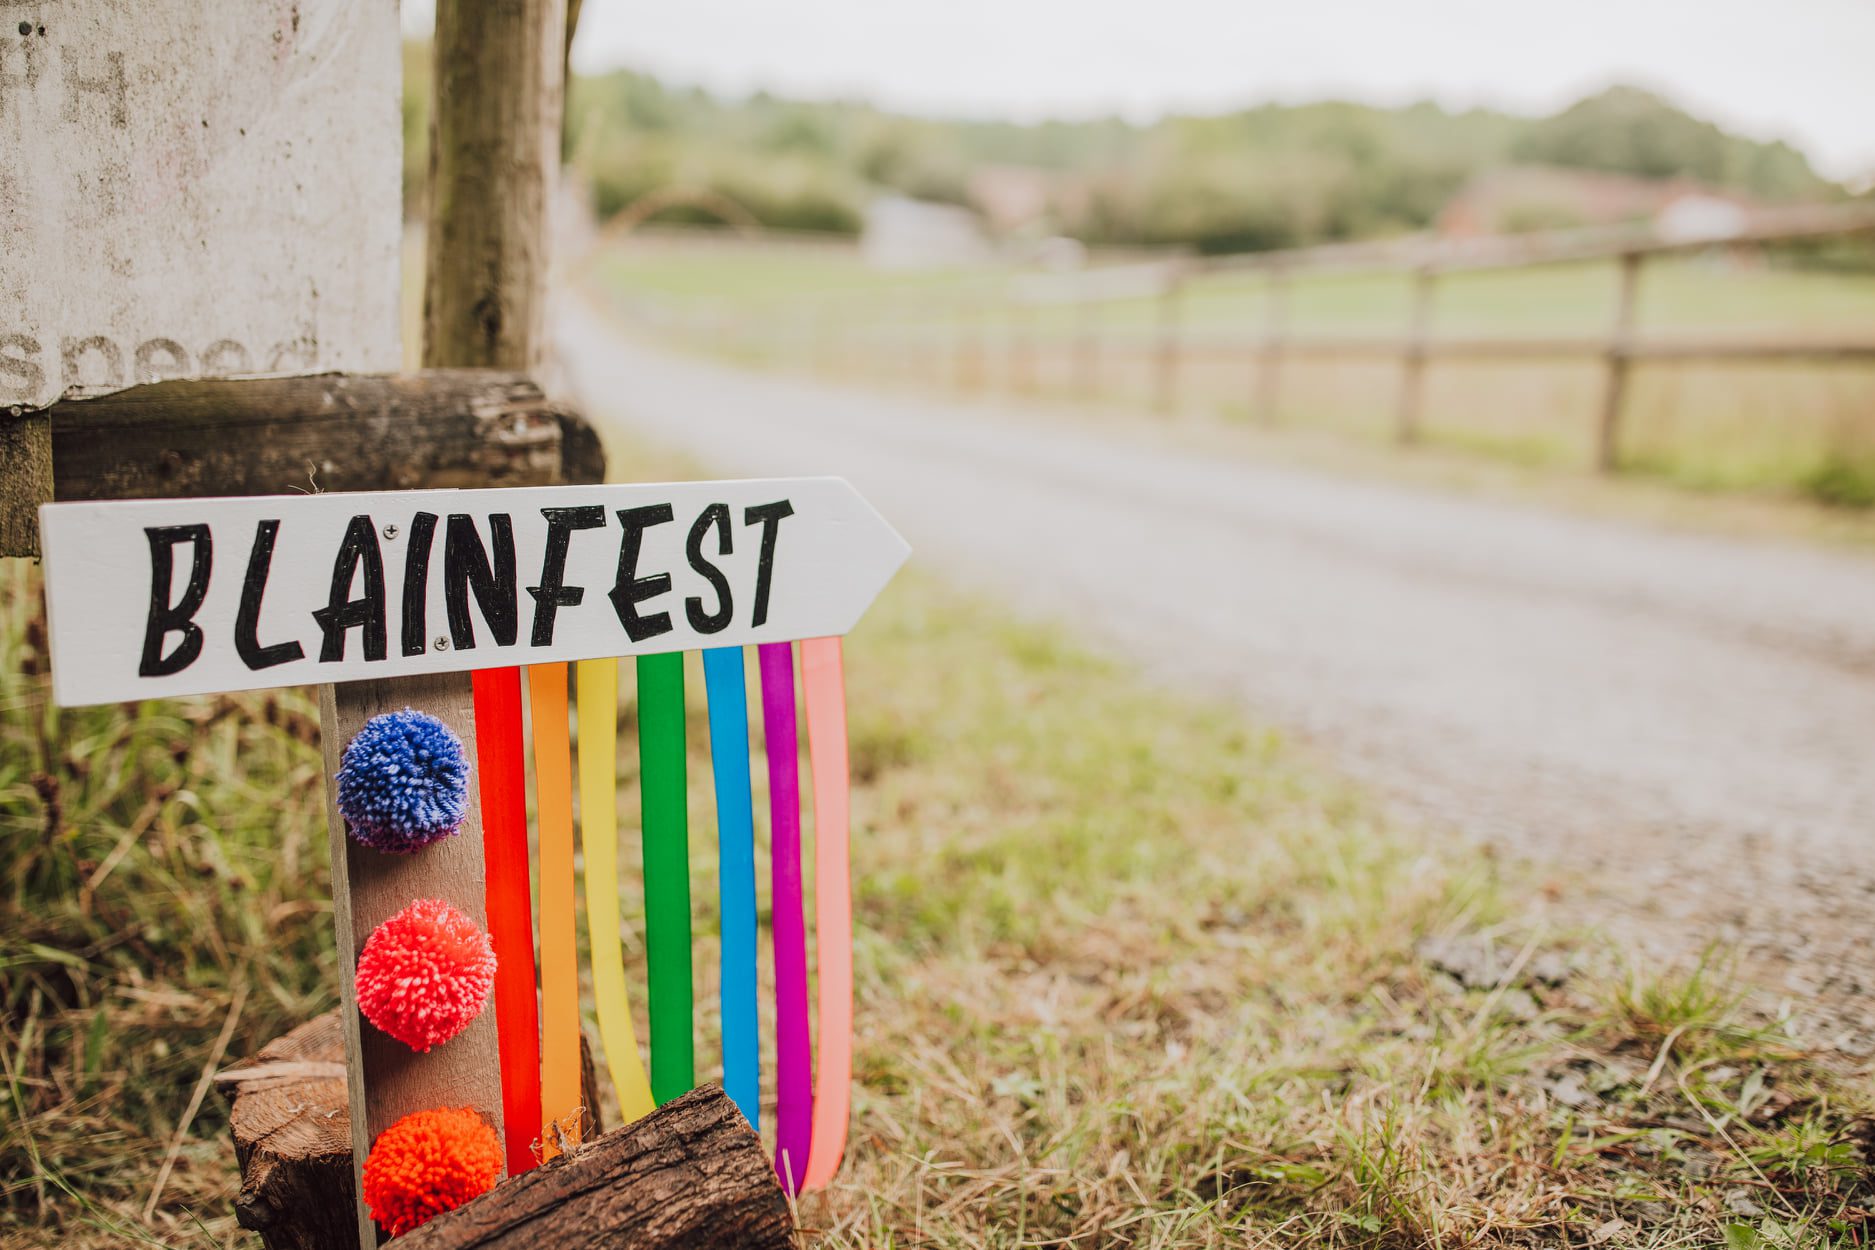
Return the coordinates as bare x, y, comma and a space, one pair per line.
950, 332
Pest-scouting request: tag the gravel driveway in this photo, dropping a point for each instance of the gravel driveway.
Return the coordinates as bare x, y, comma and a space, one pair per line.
1683, 726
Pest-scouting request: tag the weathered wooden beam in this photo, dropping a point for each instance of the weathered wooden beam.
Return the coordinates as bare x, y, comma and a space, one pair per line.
324, 432
292, 1127
689, 1176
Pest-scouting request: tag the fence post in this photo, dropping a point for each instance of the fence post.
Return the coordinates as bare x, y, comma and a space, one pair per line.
967, 353
1275, 319
1086, 347
1021, 354
1165, 380
1620, 339
1413, 372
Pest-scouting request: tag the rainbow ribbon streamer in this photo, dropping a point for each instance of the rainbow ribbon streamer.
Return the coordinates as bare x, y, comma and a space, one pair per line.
811, 1114
598, 807
794, 1103
823, 684
666, 836
735, 841
501, 768
559, 944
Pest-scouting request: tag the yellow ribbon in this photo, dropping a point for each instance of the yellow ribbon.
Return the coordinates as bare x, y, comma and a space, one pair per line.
598, 805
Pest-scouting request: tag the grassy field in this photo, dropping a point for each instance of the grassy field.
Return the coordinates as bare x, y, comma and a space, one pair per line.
1753, 426
1131, 972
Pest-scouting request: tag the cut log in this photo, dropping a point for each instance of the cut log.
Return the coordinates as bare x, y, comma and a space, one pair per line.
293, 1138
691, 1175
292, 1128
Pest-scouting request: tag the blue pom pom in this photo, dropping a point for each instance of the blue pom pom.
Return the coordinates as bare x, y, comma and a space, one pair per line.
403, 782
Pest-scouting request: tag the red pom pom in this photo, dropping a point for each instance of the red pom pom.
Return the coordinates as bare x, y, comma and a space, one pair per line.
425, 973
427, 1163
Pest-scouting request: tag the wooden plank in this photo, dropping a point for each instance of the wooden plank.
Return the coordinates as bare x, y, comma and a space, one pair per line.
1548, 247
388, 1080
689, 1176
438, 428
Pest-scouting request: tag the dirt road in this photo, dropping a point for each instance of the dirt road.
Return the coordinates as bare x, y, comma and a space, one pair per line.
1683, 725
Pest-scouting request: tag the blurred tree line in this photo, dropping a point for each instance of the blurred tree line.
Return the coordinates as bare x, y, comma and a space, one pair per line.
1265, 177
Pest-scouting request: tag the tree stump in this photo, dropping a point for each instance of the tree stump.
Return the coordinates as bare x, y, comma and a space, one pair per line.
292, 1128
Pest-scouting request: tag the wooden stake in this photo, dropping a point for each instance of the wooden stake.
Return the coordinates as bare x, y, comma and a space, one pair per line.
494, 151
387, 1079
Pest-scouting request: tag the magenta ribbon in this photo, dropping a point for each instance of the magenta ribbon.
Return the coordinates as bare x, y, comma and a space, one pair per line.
794, 1063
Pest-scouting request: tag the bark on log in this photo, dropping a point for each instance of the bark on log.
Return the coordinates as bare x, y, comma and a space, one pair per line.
329, 432
292, 1128
692, 1174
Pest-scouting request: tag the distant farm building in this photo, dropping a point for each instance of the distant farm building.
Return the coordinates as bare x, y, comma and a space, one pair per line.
1541, 197
902, 233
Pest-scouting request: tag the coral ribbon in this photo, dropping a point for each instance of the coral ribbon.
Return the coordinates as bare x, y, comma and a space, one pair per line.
823, 688
501, 771
735, 853
598, 826
666, 834
794, 1107
559, 955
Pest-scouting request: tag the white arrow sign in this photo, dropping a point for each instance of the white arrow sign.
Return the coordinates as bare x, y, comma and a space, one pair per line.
153, 598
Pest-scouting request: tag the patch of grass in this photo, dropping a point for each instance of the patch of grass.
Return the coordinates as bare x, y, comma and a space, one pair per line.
1131, 972
1842, 483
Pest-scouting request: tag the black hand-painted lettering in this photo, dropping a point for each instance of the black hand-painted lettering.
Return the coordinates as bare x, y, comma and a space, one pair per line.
553, 594
466, 565
769, 516
247, 642
179, 617
716, 622
630, 590
359, 550
416, 627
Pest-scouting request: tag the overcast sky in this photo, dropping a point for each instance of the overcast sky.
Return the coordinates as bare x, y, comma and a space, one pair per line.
1802, 70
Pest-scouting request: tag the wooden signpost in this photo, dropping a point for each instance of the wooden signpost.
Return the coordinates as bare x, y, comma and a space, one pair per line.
400, 594
201, 205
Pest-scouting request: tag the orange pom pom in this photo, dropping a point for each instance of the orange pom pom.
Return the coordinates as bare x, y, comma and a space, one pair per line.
427, 1163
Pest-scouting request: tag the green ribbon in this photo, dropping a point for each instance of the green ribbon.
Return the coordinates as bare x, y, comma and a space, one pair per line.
666, 834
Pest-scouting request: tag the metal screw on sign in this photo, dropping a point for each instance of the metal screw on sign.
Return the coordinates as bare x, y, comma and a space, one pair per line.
441, 643
390, 531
